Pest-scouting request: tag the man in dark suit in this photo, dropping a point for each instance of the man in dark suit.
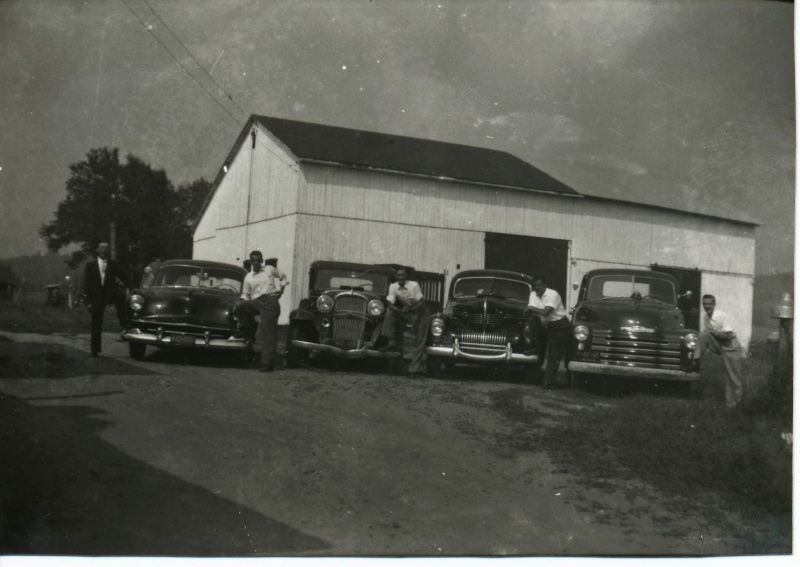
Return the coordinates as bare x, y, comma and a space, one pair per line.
100, 289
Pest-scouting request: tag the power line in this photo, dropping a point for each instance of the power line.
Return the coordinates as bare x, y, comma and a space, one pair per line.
149, 28
193, 57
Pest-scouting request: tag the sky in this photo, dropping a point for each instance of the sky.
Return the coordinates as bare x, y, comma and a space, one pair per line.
670, 101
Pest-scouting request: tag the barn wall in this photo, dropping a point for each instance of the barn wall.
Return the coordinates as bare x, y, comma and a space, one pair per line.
437, 225
372, 242
735, 297
259, 187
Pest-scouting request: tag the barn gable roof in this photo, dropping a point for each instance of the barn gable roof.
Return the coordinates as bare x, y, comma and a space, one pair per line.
346, 147
416, 156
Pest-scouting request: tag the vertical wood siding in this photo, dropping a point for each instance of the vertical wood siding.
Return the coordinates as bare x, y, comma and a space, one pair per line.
437, 225
373, 242
261, 180
598, 230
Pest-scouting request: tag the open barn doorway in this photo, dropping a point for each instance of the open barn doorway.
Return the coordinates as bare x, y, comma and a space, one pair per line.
531, 255
688, 280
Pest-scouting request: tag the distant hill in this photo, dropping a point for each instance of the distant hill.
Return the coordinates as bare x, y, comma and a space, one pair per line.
38, 270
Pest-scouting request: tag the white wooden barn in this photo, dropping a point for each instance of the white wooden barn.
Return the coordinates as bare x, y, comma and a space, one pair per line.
302, 192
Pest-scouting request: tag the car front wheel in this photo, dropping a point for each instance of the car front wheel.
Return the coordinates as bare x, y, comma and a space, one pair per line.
294, 355
137, 350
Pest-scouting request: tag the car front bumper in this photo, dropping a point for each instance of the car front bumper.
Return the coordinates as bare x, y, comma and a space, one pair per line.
345, 353
138, 336
632, 371
507, 355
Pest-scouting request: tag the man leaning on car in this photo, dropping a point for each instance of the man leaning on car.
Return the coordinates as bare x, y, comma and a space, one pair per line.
547, 304
406, 305
261, 291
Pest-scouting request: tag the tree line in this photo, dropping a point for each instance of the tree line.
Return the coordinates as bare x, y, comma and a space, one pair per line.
130, 204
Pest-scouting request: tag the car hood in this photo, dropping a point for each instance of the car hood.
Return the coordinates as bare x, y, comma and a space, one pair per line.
199, 306
494, 305
630, 315
338, 292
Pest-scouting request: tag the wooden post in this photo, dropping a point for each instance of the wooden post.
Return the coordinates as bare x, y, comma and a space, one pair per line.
782, 370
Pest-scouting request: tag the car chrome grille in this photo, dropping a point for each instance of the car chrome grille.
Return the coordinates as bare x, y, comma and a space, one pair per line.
636, 350
464, 314
349, 321
475, 342
168, 329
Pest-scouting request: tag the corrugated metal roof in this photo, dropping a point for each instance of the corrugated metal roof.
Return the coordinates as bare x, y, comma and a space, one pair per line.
372, 150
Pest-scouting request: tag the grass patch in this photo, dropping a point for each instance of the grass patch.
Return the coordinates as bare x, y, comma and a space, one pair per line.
695, 450
32, 315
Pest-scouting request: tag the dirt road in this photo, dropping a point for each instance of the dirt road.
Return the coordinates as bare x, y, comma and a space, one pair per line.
181, 454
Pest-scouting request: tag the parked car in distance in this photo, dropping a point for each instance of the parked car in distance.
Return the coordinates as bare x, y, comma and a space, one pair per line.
187, 304
627, 323
484, 322
342, 316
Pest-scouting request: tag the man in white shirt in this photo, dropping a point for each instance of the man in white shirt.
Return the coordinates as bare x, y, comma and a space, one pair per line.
546, 303
261, 291
406, 305
718, 337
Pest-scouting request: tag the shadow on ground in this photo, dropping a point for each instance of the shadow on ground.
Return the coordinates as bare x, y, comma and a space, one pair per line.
66, 491
55, 361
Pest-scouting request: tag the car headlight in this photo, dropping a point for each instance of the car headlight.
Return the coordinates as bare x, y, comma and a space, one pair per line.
437, 326
375, 308
136, 302
690, 340
581, 333
325, 303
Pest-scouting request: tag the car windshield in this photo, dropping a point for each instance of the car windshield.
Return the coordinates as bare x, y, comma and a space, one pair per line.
199, 277
625, 285
509, 289
361, 280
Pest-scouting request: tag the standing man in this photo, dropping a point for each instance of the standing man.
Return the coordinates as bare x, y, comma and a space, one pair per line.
406, 305
718, 337
261, 291
546, 303
100, 289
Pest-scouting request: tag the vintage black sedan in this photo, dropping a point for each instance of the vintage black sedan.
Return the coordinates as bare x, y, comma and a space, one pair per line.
185, 303
627, 323
484, 322
342, 316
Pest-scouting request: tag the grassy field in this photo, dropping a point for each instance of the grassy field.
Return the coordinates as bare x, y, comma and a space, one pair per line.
32, 315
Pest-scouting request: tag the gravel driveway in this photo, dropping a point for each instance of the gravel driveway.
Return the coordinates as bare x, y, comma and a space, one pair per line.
183, 455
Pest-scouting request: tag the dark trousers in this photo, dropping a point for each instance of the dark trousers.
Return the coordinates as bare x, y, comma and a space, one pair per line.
268, 308
394, 323
97, 312
558, 333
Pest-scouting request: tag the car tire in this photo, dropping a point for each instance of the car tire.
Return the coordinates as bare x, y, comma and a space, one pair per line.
434, 366
534, 374
691, 390
294, 356
246, 357
577, 380
394, 365
137, 350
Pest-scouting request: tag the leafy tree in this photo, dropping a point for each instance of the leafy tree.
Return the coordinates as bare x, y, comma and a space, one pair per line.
150, 218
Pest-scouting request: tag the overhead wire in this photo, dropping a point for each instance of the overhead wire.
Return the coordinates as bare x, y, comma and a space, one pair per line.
244, 115
149, 29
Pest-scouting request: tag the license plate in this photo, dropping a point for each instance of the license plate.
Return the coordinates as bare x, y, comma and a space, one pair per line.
182, 340
589, 356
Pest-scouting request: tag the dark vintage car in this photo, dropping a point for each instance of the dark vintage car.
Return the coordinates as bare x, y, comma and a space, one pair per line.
185, 303
484, 322
343, 313
627, 323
